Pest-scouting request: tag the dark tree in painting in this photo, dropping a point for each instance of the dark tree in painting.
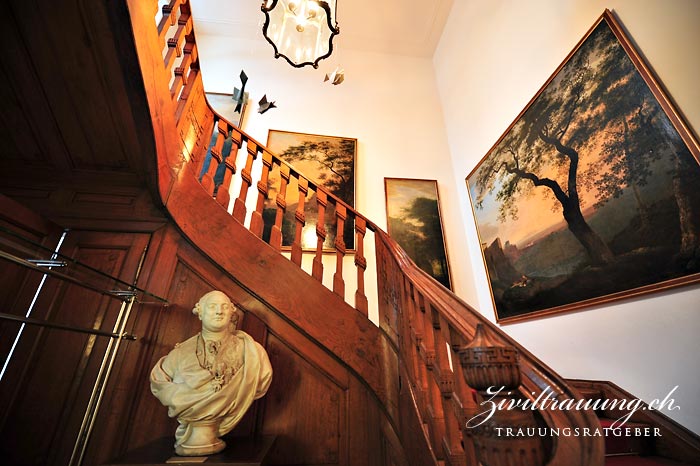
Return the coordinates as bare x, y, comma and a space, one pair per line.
598, 106
419, 231
640, 136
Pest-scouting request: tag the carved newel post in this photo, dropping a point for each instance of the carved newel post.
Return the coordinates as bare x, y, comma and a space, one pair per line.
492, 370
209, 381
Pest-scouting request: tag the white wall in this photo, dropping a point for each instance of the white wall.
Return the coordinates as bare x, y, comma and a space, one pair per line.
389, 103
492, 59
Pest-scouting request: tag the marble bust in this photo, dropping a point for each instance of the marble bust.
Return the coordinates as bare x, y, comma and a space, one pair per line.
209, 381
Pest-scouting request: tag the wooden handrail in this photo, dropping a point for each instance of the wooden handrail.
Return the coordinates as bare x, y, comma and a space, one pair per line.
446, 348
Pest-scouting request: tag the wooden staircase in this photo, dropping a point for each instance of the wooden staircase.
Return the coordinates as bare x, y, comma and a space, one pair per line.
346, 391
434, 346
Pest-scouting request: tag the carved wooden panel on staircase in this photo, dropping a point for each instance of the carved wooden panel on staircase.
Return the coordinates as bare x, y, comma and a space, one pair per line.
306, 408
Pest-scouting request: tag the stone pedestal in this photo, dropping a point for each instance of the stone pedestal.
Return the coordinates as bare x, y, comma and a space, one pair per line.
203, 440
240, 451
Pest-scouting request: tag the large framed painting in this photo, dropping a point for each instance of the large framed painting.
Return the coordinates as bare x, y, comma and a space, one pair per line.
225, 106
414, 221
591, 194
328, 161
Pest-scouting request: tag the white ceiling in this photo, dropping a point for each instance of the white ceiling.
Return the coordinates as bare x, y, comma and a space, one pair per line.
404, 27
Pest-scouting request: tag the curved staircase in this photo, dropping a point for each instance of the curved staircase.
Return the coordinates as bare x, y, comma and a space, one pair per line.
427, 352
408, 390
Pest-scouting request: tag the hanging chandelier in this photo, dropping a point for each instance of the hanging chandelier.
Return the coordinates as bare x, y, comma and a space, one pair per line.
301, 31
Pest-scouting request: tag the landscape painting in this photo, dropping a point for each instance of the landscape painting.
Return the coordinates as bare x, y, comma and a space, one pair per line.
414, 221
328, 161
592, 193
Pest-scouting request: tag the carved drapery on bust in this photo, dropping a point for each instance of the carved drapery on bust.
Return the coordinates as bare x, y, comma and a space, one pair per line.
209, 381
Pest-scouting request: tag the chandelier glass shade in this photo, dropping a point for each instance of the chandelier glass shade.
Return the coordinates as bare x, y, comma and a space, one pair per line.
301, 31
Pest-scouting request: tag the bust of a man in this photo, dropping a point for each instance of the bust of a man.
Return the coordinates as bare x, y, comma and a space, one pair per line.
209, 381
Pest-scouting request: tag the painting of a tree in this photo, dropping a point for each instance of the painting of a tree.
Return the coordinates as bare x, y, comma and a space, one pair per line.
413, 220
588, 195
327, 161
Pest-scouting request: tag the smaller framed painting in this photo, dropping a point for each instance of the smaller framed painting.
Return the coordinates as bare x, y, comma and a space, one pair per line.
327, 161
224, 105
414, 221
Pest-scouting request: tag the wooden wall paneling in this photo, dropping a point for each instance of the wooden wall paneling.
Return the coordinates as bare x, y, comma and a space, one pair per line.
28, 348
125, 251
25, 112
251, 423
364, 431
305, 408
130, 374
93, 202
75, 74
416, 445
45, 415
19, 283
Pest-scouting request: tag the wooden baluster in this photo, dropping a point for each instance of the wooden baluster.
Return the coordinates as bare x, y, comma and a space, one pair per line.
208, 177
182, 72
410, 345
361, 264
198, 162
184, 27
435, 416
464, 405
223, 197
256, 220
239, 209
454, 452
322, 202
338, 282
190, 82
300, 221
411, 340
167, 21
174, 50
276, 233
424, 359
